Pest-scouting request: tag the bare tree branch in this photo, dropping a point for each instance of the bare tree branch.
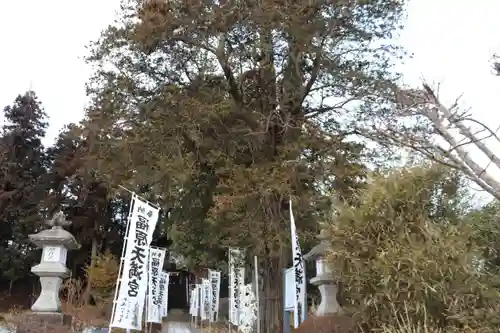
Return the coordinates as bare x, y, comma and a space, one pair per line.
443, 122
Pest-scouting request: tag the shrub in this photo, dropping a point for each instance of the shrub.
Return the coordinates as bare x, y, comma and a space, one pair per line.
405, 259
102, 277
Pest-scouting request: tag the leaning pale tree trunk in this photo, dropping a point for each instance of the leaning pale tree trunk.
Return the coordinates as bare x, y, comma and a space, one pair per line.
445, 121
446, 124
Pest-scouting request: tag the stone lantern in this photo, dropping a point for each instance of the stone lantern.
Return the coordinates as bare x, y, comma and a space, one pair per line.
55, 243
324, 279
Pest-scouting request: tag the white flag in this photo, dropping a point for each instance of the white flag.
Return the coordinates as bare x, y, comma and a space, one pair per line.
163, 295
192, 303
206, 304
197, 294
236, 282
129, 303
156, 258
249, 306
300, 275
214, 278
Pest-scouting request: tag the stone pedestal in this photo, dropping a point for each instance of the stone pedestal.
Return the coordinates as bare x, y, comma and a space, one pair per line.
40, 322
48, 301
52, 269
155, 328
325, 279
333, 323
328, 291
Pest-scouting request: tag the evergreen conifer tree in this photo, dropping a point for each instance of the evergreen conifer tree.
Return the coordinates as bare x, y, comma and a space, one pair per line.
22, 182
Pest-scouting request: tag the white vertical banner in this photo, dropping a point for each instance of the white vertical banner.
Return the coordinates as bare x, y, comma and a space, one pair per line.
249, 309
236, 282
214, 278
129, 302
201, 297
191, 296
197, 300
163, 293
156, 258
300, 275
192, 303
206, 299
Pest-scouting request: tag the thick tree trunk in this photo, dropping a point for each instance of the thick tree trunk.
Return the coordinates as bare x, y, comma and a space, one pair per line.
93, 257
271, 295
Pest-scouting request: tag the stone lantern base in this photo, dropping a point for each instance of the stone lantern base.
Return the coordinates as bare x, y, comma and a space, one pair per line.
328, 289
326, 324
155, 328
51, 278
41, 322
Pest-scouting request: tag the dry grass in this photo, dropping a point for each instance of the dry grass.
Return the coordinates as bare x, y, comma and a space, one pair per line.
83, 314
404, 323
72, 304
425, 328
23, 321
214, 327
27, 323
326, 324
344, 324
405, 248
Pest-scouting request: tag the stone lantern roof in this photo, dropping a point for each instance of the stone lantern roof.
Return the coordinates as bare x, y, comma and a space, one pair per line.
56, 235
319, 250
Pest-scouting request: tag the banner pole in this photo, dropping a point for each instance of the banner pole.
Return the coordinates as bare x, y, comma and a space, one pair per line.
148, 291
230, 287
202, 304
256, 272
120, 268
210, 301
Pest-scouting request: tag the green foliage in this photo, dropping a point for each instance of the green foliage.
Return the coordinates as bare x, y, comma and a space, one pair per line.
403, 255
221, 96
227, 109
35, 182
22, 188
486, 224
98, 214
78, 191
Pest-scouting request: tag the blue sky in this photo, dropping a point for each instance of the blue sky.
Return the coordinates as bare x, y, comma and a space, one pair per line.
43, 43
